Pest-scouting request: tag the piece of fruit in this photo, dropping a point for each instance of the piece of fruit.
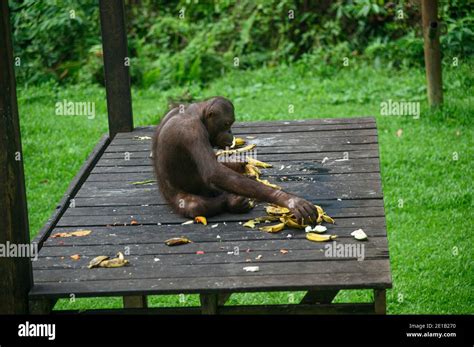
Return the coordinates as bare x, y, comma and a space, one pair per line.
292, 223
359, 234
320, 238
201, 219
276, 210
237, 141
175, 241
317, 228
96, 261
328, 219
273, 228
251, 268
78, 233
249, 224
252, 171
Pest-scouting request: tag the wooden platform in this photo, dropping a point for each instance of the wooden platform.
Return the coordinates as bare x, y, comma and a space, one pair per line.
104, 199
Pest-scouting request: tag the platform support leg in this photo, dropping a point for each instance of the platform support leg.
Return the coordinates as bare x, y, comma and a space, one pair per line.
41, 306
319, 296
380, 301
209, 303
135, 301
16, 276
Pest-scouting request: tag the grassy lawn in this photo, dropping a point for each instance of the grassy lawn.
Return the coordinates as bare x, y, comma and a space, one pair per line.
427, 166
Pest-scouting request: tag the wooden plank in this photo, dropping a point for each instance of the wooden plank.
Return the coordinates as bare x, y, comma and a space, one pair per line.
176, 285
165, 217
155, 270
350, 137
280, 122
15, 273
131, 178
154, 211
264, 157
72, 190
117, 78
126, 235
292, 168
313, 148
256, 129
311, 191
258, 252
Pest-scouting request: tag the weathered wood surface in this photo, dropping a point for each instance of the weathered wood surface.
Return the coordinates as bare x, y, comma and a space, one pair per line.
15, 272
108, 203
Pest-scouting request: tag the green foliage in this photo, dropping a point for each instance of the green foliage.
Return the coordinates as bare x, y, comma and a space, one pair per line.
184, 42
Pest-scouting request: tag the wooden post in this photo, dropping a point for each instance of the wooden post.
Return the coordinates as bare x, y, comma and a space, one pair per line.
116, 66
135, 301
380, 301
15, 272
431, 32
209, 303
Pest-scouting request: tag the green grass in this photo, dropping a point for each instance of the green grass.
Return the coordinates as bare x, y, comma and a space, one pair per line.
430, 235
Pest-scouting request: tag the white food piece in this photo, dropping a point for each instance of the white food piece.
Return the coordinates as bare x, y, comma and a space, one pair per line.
188, 222
215, 226
251, 268
317, 228
359, 234
325, 159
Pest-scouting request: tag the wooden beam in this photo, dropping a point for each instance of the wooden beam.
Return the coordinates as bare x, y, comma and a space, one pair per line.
15, 272
208, 303
135, 301
116, 66
380, 301
431, 32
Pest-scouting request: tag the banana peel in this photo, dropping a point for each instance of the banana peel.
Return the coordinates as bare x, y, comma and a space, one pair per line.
249, 224
175, 241
104, 261
252, 171
258, 163
292, 223
273, 228
320, 238
275, 210
237, 142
